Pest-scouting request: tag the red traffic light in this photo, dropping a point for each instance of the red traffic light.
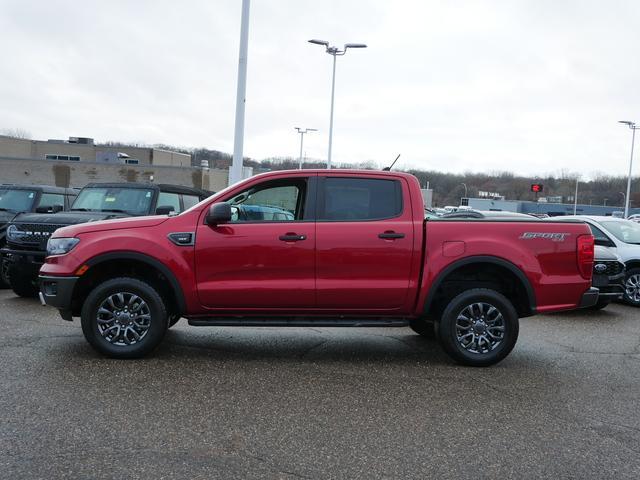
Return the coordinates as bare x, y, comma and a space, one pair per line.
536, 187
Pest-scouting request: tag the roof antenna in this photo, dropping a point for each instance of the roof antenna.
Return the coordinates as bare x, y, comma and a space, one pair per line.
388, 169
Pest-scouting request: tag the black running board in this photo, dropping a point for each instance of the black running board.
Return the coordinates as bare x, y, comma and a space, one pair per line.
297, 322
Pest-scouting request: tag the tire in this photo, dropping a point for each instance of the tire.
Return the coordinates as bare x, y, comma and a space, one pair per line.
491, 311
423, 327
109, 315
173, 319
632, 287
4, 273
22, 285
599, 305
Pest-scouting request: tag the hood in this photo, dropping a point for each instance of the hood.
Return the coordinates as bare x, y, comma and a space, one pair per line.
602, 254
115, 224
64, 218
6, 216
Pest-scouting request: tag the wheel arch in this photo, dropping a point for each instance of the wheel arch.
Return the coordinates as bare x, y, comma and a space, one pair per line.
525, 296
123, 262
635, 263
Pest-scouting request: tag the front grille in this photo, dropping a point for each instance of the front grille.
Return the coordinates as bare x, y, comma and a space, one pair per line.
612, 268
34, 234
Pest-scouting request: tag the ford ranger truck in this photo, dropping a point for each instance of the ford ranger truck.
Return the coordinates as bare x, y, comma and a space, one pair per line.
15, 199
28, 233
355, 250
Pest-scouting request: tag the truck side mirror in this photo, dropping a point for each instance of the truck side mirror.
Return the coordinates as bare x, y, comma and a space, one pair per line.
218, 213
164, 210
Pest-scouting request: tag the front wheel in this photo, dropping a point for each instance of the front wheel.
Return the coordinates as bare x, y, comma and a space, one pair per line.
478, 328
600, 304
124, 318
632, 287
22, 285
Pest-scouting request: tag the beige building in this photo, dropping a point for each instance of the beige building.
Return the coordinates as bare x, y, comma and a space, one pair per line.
78, 161
82, 149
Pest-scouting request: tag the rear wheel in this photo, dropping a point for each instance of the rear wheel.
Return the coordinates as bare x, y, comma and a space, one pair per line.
22, 285
478, 328
632, 287
124, 318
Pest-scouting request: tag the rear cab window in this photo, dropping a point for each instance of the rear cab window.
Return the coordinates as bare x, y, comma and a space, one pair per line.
359, 199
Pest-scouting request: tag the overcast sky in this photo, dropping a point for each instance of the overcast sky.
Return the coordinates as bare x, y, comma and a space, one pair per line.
527, 86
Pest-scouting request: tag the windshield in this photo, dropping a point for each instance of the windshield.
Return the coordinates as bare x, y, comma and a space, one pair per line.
134, 201
624, 230
14, 200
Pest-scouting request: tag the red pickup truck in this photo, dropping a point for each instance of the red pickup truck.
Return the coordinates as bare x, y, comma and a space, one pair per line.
317, 248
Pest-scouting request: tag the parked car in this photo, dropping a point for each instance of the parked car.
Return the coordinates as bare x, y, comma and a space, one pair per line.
15, 199
634, 218
623, 237
27, 233
357, 253
608, 276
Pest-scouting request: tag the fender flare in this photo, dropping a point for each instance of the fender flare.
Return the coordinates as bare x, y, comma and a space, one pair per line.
479, 259
152, 262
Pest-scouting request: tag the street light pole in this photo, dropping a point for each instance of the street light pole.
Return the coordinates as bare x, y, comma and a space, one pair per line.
235, 172
335, 51
624, 198
465, 191
575, 198
302, 132
633, 128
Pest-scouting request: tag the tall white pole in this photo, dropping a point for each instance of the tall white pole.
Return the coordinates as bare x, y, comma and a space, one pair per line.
626, 201
575, 198
300, 157
333, 90
235, 172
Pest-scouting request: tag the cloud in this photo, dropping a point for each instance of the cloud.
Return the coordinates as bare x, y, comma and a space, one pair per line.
528, 86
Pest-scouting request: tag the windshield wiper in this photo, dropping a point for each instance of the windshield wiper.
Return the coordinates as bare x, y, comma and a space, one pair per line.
114, 210
5, 210
80, 209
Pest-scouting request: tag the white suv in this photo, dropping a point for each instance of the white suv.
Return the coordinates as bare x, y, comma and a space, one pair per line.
623, 237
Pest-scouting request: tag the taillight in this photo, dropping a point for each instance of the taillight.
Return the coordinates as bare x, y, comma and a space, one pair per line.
585, 255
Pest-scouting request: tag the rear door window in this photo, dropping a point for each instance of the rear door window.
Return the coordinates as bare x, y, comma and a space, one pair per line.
48, 200
166, 199
354, 199
189, 201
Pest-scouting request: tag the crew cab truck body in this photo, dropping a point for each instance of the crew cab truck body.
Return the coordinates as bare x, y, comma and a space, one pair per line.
358, 252
16, 199
28, 233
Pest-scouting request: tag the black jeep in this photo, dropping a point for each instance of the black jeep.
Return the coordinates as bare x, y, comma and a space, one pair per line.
28, 233
15, 199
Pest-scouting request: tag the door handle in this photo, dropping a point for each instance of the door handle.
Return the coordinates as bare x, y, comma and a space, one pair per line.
292, 237
389, 235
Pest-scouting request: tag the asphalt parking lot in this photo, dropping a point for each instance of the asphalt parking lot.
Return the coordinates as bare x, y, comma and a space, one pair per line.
319, 403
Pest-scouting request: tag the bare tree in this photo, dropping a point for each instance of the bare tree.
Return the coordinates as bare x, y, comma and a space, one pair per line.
16, 133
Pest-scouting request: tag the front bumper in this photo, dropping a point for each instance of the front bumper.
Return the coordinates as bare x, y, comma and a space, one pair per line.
589, 298
58, 292
28, 262
610, 286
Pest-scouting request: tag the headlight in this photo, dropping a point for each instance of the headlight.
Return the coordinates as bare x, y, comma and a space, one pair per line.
60, 246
